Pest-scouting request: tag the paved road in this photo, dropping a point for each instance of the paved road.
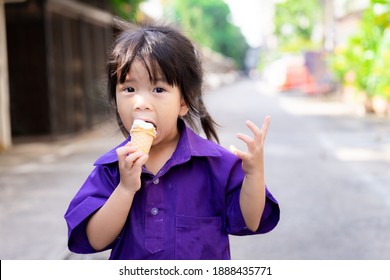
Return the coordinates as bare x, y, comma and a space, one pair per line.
37, 181
328, 168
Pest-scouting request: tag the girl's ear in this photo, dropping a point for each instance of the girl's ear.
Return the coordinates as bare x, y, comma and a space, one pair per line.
183, 108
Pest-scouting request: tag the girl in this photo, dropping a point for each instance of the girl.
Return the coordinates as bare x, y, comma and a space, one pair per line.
182, 199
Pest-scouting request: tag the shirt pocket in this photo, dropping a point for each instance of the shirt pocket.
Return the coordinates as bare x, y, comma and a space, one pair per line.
198, 238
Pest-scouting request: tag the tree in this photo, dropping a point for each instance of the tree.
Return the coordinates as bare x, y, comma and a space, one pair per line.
294, 23
207, 22
126, 9
366, 57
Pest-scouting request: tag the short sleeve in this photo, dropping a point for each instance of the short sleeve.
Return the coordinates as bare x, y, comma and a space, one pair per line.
92, 195
235, 220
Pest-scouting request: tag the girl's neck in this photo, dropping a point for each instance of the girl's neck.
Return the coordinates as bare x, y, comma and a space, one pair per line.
160, 153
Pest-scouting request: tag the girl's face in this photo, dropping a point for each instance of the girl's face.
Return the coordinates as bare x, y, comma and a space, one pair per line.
158, 103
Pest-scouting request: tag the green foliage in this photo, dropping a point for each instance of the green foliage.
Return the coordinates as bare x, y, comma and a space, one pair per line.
365, 61
207, 22
294, 22
126, 9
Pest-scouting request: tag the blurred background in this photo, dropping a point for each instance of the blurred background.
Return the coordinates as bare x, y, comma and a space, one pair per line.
320, 68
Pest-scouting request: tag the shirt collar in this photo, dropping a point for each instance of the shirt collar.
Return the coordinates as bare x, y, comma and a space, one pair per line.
190, 144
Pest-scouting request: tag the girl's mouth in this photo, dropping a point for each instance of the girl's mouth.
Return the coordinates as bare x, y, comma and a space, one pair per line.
155, 127
151, 122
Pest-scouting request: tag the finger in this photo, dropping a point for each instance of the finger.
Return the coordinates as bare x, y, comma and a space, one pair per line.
125, 150
255, 130
131, 159
249, 141
264, 128
233, 149
240, 154
139, 162
259, 134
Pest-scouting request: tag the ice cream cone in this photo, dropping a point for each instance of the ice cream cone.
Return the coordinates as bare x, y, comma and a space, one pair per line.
142, 135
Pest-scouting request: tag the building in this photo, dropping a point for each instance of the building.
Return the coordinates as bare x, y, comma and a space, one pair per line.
56, 53
347, 15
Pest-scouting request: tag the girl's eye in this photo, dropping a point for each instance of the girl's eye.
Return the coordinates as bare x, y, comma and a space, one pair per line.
128, 89
158, 90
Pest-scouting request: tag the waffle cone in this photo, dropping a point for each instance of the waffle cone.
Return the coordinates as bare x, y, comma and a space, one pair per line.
142, 135
142, 139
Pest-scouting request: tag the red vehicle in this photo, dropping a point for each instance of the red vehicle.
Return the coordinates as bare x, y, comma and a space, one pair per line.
298, 73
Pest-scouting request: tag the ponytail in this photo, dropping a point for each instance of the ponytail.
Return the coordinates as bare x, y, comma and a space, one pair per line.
199, 111
208, 126
207, 123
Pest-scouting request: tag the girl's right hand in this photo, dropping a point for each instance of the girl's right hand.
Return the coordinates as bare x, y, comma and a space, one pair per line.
130, 163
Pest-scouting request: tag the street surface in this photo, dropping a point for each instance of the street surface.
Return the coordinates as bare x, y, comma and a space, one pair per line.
329, 169
327, 166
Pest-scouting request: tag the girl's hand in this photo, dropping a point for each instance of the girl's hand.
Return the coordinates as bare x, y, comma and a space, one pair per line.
253, 195
253, 158
130, 167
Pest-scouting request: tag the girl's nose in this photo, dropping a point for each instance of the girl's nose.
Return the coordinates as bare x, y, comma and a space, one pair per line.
142, 102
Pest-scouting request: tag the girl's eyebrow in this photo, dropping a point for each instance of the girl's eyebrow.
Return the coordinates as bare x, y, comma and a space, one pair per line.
127, 81
132, 80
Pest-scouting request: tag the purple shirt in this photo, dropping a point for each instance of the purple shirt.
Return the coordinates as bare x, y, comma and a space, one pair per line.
185, 211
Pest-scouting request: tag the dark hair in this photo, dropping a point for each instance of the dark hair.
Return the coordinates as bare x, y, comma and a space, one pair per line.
163, 50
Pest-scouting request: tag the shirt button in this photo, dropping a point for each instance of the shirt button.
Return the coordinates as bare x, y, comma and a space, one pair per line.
154, 211
156, 181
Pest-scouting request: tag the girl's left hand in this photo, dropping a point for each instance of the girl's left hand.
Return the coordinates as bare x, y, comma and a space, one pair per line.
253, 158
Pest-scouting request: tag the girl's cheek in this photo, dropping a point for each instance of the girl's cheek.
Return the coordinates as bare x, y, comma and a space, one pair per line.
127, 123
